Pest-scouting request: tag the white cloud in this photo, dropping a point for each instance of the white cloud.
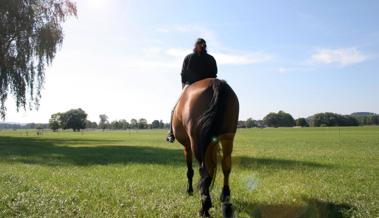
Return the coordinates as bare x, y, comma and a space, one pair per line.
162, 30
227, 57
198, 29
193, 30
340, 56
242, 59
221, 54
178, 52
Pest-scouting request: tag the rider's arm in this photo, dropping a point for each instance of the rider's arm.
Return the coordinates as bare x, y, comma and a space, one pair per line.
213, 66
184, 70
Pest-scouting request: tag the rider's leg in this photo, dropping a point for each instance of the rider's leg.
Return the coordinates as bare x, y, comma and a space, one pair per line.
171, 138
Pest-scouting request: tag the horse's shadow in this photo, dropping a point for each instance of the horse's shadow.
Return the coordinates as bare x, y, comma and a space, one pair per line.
55, 152
247, 162
313, 208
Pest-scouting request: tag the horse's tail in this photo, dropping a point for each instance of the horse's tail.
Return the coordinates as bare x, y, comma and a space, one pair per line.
209, 126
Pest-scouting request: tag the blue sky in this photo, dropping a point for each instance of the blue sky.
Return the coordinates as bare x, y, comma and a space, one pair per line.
123, 58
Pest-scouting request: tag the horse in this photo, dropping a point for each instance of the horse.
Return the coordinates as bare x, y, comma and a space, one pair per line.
204, 118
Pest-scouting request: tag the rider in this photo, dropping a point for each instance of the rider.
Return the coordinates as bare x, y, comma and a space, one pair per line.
196, 66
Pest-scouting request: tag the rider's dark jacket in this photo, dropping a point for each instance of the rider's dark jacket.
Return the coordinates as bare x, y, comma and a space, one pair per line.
197, 67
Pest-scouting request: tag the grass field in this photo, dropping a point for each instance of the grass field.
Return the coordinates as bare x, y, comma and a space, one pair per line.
310, 172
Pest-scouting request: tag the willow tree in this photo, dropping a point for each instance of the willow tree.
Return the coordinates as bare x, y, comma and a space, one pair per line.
30, 33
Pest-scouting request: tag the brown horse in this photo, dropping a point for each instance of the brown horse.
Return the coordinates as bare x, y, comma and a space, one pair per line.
205, 116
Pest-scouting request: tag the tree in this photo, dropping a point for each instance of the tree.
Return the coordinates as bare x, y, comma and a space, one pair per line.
302, 122
260, 123
142, 123
375, 119
133, 123
286, 119
74, 119
161, 124
116, 124
103, 124
271, 120
91, 125
366, 118
55, 122
241, 124
155, 124
30, 32
348, 120
249, 123
280, 119
31, 126
124, 124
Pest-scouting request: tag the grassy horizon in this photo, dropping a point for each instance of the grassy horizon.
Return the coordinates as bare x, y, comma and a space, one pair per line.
284, 172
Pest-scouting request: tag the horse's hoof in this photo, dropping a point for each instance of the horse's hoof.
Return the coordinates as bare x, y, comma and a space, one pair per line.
189, 190
227, 210
224, 198
204, 213
225, 194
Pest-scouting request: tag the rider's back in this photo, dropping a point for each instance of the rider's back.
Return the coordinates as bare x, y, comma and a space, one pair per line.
197, 67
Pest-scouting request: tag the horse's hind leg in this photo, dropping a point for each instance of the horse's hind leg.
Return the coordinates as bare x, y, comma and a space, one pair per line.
226, 162
204, 184
188, 156
207, 172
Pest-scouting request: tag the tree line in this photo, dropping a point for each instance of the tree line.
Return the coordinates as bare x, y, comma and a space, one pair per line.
24, 126
76, 119
283, 119
122, 124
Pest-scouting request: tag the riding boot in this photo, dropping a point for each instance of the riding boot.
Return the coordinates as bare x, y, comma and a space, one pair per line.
171, 138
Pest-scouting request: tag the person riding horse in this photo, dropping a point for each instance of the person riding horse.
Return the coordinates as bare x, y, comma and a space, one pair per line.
196, 66
204, 121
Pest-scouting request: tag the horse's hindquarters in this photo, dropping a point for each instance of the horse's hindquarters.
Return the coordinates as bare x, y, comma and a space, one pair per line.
208, 108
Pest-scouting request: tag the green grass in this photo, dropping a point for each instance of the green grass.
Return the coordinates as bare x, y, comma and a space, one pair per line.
310, 172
